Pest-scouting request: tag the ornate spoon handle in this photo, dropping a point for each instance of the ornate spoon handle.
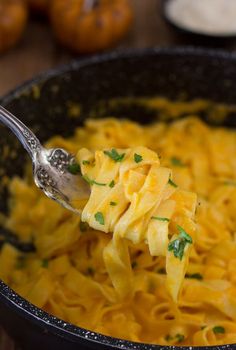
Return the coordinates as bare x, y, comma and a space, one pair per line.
24, 135
50, 166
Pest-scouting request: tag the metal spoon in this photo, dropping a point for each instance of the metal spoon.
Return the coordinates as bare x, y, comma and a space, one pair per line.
50, 166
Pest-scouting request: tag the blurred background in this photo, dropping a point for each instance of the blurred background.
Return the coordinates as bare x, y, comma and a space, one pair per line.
37, 43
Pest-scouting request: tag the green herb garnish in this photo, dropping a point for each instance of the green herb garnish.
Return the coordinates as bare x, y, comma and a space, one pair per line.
179, 244
74, 169
196, 276
99, 218
184, 234
160, 219
113, 154
112, 184
179, 337
170, 182
134, 264
45, 263
86, 162
92, 182
177, 162
168, 337
83, 226
219, 330
137, 158
113, 204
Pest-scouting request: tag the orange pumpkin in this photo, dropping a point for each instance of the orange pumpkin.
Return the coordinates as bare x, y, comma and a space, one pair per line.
13, 18
40, 6
87, 26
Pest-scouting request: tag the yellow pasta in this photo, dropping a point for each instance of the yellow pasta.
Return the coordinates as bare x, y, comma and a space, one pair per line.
134, 197
130, 285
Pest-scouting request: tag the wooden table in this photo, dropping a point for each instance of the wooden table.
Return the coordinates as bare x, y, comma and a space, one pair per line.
38, 50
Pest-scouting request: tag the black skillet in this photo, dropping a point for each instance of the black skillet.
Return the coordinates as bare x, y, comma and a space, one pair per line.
43, 104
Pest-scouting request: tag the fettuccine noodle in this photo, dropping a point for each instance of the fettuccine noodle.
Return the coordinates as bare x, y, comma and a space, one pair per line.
135, 198
132, 284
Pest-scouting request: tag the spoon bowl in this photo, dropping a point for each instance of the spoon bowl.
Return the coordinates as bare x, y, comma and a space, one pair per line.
50, 166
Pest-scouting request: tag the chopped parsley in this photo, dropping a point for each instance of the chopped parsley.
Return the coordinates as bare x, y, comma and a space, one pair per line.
219, 330
83, 226
74, 169
113, 204
178, 337
196, 276
172, 183
184, 234
86, 162
112, 184
168, 337
45, 263
160, 218
99, 218
179, 244
113, 154
92, 182
177, 162
137, 158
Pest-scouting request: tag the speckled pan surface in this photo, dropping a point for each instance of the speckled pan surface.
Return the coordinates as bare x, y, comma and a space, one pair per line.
44, 105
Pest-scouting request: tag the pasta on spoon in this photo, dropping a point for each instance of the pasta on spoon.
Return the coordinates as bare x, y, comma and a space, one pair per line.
135, 198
